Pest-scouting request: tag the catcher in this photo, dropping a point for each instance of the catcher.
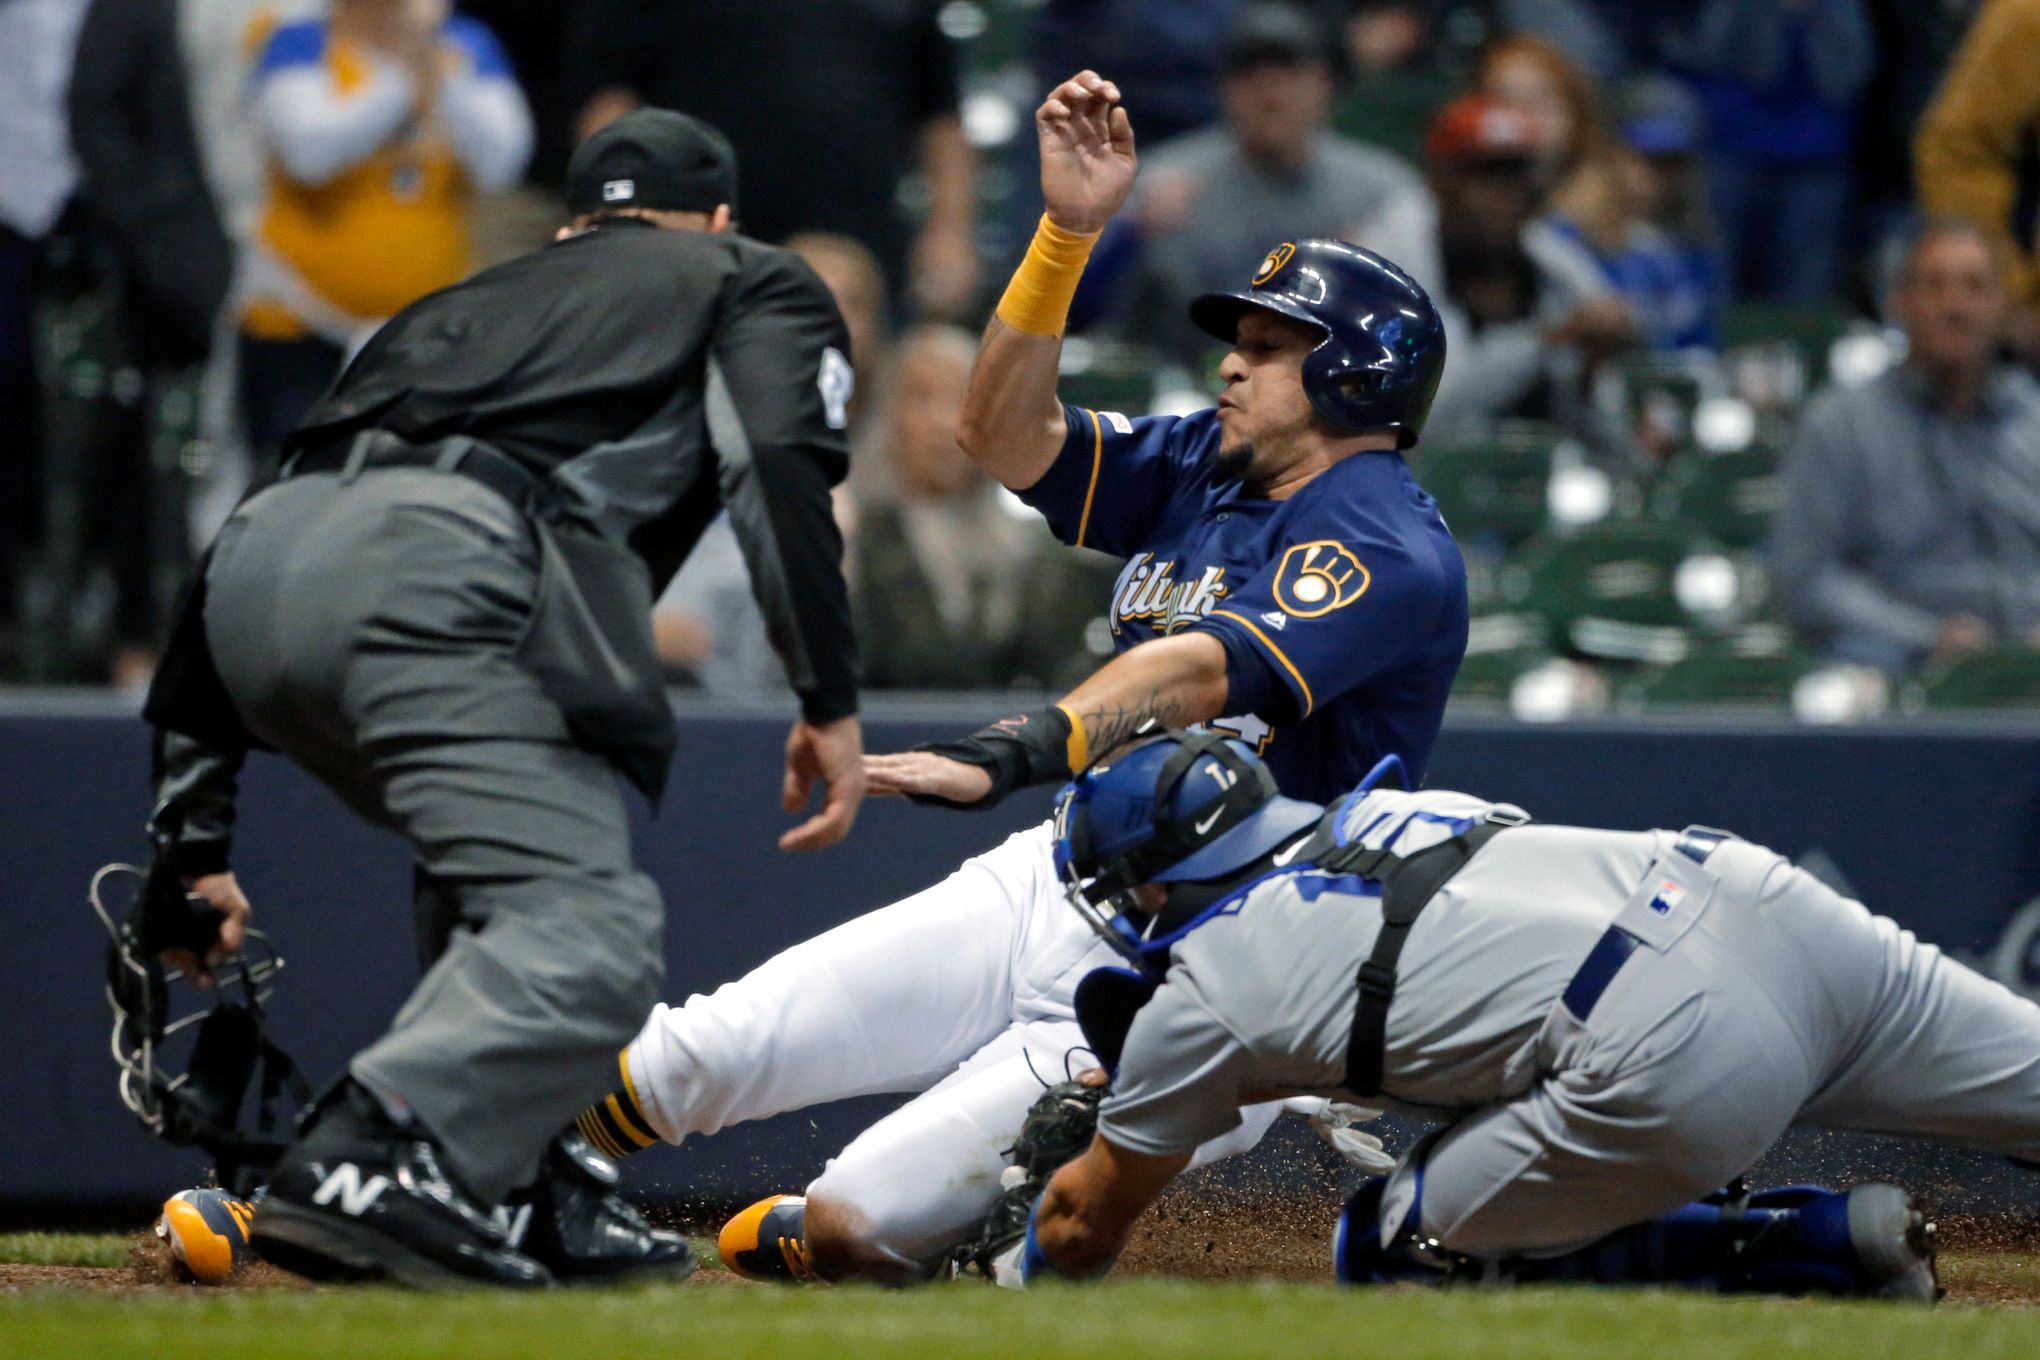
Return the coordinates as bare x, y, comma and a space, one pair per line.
1615, 1025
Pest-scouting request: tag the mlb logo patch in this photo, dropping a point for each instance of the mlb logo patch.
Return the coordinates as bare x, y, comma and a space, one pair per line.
619, 190
1666, 899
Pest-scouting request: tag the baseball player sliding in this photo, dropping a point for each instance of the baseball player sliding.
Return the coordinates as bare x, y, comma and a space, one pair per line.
1617, 1023
1286, 580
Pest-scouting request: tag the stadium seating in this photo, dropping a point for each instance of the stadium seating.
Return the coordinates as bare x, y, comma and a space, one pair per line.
1986, 680
1608, 591
1492, 494
1730, 497
1754, 670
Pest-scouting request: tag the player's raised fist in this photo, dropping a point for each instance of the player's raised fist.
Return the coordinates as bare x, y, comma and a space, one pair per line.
1087, 160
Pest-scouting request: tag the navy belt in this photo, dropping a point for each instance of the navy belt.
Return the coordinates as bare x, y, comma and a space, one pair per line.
1615, 946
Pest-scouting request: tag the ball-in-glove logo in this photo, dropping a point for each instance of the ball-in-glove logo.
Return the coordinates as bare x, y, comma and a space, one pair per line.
1274, 262
1316, 578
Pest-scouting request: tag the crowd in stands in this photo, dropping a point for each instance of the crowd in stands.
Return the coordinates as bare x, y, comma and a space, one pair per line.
1741, 298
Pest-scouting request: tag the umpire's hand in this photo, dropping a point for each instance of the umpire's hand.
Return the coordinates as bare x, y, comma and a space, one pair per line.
221, 892
834, 754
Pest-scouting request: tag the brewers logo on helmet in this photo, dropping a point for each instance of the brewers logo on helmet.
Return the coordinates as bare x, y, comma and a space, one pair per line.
1383, 351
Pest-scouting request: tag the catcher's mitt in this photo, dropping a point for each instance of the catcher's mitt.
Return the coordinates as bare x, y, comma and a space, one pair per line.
1059, 1125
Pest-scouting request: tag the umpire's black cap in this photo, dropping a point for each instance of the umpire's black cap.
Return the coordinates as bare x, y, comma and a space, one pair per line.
653, 158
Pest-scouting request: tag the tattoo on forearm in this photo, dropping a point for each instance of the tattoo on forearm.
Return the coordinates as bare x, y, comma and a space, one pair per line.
1110, 726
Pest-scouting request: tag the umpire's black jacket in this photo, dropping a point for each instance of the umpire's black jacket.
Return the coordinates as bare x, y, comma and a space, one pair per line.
586, 342
644, 379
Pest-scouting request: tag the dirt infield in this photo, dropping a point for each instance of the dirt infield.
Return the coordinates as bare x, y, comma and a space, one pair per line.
1201, 1232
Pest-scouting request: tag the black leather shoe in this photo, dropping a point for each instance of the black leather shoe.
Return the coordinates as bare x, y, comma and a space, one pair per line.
359, 1197
582, 1230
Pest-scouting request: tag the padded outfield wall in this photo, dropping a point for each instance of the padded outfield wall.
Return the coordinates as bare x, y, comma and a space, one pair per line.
1934, 823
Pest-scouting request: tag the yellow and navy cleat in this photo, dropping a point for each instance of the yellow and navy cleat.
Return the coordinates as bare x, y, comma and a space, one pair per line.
208, 1233
768, 1241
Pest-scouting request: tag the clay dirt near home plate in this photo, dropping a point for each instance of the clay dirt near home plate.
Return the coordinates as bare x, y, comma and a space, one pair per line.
1209, 1273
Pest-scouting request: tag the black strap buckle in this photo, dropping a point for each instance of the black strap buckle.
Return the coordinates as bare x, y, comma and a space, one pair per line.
1377, 980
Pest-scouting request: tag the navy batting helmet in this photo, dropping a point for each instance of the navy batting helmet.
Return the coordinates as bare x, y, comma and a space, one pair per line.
1181, 807
1377, 367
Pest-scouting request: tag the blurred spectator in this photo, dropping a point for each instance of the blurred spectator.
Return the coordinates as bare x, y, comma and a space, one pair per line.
1527, 311
1780, 81
380, 122
132, 125
1390, 35
1554, 96
1211, 203
828, 103
1915, 43
1640, 210
1609, 39
1164, 55
1974, 155
38, 39
1910, 525
165, 266
956, 587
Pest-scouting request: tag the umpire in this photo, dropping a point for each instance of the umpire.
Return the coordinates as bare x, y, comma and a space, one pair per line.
441, 609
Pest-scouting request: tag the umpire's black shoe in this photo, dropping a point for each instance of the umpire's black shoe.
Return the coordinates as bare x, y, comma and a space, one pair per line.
359, 1198
575, 1223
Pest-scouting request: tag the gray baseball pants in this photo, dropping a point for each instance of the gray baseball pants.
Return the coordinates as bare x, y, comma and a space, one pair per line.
1784, 1004
367, 631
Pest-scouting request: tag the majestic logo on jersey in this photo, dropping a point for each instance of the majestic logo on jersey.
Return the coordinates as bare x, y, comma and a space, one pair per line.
1148, 591
1272, 266
1316, 578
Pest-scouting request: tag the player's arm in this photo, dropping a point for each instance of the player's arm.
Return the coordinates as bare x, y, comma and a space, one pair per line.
1011, 425
1180, 1081
1165, 682
1088, 1211
778, 387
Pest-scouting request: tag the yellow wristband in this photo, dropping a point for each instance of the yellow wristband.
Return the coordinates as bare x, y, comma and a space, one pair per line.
1037, 301
1079, 747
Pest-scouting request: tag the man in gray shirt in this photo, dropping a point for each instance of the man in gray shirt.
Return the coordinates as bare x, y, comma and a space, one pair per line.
1910, 524
1206, 199
1612, 1024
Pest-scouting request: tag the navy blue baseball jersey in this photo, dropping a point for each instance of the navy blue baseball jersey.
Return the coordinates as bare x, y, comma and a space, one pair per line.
1342, 609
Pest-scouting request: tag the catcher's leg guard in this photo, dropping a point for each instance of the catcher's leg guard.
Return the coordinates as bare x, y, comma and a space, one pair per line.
1377, 1240
1795, 1240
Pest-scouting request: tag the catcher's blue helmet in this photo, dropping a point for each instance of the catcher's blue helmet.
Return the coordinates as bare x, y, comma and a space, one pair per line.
1181, 807
1384, 348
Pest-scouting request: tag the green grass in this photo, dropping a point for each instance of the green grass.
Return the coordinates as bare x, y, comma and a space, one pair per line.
62, 1249
1183, 1320
1179, 1319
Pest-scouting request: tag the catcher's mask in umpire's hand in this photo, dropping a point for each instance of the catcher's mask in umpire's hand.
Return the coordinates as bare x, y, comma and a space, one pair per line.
221, 1036
1180, 809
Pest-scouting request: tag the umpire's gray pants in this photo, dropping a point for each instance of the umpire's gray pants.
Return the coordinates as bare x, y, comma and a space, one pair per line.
367, 630
1786, 1004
